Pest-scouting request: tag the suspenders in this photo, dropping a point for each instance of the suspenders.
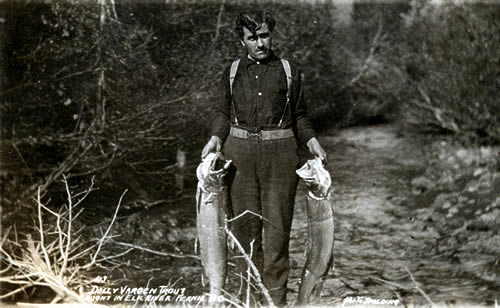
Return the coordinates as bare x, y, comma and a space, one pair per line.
232, 74
288, 73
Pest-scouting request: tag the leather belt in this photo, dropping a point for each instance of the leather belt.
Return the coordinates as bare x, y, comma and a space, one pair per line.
261, 134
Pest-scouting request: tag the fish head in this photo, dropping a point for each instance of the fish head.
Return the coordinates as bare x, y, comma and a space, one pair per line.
316, 177
212, 171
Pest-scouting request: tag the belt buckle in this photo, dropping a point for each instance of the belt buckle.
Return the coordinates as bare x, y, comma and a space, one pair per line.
255, 133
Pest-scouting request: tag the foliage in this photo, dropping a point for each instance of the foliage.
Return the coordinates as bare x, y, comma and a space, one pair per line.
364, 88
449, 61
119, 91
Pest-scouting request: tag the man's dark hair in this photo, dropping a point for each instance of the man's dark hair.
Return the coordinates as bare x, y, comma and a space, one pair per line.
252, 21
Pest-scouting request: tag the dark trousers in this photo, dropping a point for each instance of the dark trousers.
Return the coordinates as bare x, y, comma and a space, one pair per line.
265, 183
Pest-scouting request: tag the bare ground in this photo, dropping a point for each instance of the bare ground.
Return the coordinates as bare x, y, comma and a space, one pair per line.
408, 226
393, 221
384, 225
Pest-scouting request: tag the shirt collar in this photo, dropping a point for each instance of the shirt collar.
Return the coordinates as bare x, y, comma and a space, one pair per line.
271, 60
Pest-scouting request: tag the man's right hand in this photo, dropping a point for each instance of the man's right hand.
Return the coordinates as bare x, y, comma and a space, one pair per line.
316, 149
213, 145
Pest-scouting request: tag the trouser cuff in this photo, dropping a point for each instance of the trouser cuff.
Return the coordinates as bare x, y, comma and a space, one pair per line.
278, 295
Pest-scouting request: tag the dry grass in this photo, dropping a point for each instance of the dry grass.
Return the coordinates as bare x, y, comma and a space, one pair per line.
56, 256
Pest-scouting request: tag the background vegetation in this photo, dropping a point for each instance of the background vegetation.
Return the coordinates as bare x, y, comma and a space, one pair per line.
123, 92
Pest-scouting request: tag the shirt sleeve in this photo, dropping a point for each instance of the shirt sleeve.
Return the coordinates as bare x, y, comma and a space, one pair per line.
222, 108
302, 125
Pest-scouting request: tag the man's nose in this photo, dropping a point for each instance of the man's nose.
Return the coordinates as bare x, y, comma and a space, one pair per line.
260, 43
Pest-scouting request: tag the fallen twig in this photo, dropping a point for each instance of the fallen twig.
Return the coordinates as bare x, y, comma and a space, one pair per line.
258, 215
101, 241
256, 273
415, 285
160, 253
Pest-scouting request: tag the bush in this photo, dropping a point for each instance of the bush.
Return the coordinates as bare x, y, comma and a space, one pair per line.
119, 98
449, 59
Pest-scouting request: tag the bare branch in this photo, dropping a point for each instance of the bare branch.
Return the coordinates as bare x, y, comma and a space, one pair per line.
107, 231
160, 253
86, 192
162, 103
61, 241
94, 170
45, 254
115, 256
438, 113
47, 81
48, 264
255, 214
219, 22
417, 287
68, 233
368, 61
6, 295
256, 273
113, 9
67, 164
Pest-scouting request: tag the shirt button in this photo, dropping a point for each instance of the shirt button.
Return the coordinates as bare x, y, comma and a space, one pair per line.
256, 76
259, 93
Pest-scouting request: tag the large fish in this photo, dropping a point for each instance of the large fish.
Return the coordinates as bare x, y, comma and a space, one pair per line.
320, 223
212, 199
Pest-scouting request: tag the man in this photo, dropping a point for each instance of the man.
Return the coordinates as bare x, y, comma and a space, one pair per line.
260, 119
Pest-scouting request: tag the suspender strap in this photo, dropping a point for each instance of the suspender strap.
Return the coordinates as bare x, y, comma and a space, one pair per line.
288, 73
232, 74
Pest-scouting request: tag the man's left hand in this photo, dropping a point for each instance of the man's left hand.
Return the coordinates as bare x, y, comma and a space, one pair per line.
316, 149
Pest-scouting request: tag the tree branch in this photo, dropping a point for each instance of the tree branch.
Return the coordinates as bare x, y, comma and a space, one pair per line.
160, 253
219, 22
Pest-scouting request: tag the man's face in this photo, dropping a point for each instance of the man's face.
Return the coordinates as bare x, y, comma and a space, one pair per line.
258, 44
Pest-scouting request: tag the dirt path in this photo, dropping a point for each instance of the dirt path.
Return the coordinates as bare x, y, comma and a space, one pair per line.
382, 228
379, 231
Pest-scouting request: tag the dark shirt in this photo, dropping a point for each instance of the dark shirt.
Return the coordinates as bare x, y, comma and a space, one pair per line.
259, 94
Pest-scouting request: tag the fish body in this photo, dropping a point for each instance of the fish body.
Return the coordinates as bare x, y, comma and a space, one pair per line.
212, 199
320, 224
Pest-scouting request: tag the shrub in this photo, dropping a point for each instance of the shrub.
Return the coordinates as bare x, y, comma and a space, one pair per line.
449, 58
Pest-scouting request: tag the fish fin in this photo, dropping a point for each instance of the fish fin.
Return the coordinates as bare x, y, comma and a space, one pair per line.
198, 199
231, 242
